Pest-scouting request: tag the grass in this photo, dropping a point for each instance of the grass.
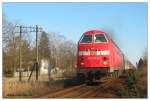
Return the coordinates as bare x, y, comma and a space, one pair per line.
25, 89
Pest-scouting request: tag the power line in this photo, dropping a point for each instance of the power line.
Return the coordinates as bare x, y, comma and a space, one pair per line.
27, 29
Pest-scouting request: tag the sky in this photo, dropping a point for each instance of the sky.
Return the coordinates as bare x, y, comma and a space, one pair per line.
126, 22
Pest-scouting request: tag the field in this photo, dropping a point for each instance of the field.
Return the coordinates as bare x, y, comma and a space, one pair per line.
133, 84
12, 88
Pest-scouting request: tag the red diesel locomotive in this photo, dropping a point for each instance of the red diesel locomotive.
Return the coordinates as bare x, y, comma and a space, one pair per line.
98, 55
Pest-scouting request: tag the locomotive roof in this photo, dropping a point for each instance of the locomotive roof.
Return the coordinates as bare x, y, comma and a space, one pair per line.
95, 31
101, 32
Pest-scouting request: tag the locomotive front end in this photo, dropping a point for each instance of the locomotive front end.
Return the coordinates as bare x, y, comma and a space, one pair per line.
93, 53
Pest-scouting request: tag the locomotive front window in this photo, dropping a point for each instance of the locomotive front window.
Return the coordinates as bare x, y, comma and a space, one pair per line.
100, 38
86, 39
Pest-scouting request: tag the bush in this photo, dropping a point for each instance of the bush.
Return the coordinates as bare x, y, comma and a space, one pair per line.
136, 84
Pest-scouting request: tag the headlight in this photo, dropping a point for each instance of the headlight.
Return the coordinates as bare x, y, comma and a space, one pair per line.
82, 63
105, 62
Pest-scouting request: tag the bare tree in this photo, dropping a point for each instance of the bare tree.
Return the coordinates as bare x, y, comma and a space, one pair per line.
44, 48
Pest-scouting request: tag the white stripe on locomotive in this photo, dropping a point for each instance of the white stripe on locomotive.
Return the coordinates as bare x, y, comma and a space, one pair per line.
84, 53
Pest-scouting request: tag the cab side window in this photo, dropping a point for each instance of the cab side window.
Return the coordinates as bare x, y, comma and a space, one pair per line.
86, 39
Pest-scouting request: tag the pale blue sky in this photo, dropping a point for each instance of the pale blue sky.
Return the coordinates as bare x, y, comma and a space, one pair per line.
127, 21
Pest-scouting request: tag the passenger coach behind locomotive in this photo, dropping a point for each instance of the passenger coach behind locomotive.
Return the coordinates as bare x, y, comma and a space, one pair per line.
98, 55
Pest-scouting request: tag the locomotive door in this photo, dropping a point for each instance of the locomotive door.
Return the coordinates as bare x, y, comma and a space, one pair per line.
100, 48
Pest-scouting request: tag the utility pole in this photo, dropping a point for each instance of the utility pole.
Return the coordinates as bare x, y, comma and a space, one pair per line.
37, 61
20, 55
26, 29
14, 69
36, 65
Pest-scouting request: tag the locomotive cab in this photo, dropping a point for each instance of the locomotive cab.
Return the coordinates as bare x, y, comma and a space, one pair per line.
93, 50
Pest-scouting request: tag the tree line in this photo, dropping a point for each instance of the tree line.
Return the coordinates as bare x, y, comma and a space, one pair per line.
52, 46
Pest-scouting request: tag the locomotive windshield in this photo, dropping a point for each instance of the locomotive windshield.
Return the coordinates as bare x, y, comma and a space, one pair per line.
100, 38
86, 39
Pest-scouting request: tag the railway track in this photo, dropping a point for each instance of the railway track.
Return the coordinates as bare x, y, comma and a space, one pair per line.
65, 92
79, 91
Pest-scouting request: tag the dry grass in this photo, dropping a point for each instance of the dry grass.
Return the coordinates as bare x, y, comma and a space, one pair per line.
25, 89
